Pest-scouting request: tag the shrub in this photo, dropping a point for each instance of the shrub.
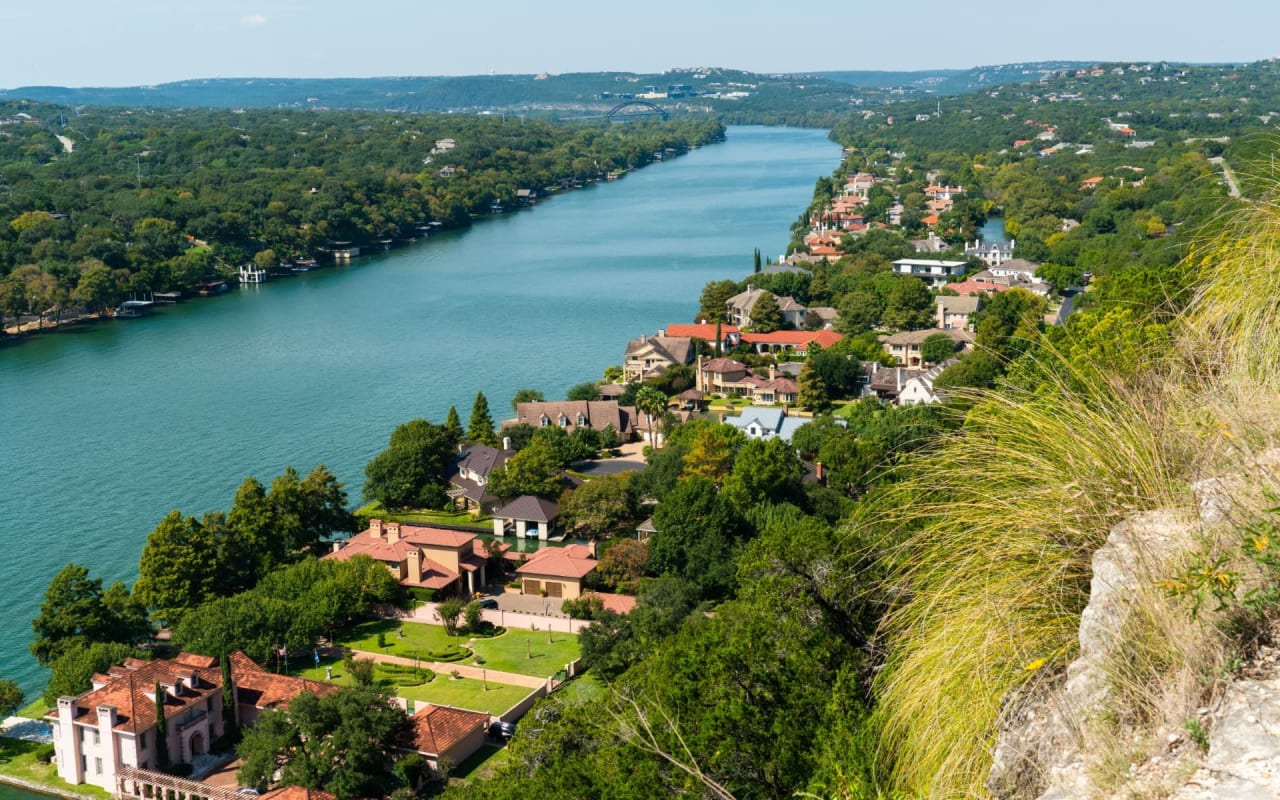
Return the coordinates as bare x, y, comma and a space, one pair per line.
44, 753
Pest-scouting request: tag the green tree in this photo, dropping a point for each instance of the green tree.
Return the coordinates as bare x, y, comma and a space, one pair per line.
526, 396
178, 569
473, 615
713, 305
453, 425
450, 611
599, 507
583, 391
1063, 276
766, 316
813, 390
97, 287
72, 673
764, 471
410, 473
10, 697
162, 730
623, 565
480, 427
75, 613
534, 470
697, 536
936, 348
341, 742
652, 403
909, 306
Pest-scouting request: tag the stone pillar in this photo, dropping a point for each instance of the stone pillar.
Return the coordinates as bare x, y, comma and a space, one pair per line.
67, 742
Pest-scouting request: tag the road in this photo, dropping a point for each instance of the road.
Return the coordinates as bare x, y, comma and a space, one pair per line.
1232, 189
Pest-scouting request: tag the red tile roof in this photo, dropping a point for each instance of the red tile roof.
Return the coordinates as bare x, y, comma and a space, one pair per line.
559, 562
793, 338
266, 689
297, 793
964, 288
705, 331
617, 603
436, 729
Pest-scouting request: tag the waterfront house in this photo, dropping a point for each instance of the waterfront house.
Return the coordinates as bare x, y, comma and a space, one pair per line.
720, 375
649, 356
729, 335
740, 305
112, 726
573, 414
470, 477
991, 253
795, 341
444, 561
557, 571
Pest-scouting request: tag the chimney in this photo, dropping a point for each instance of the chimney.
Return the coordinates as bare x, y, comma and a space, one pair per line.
414, 563
820, 472
773, 372
662, 331
393, 532
337, 545
592, 547
375, 528
506, 442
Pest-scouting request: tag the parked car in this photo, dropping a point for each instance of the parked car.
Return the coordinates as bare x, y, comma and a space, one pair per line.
489, 602
502, 730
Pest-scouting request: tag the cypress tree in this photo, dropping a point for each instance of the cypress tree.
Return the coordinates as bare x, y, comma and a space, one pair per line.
162, 735
229, 723
480, 428
757, 269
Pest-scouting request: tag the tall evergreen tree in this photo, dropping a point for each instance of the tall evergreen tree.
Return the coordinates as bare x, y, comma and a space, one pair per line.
480, 428
162, 735
757, 260
229, 723
453, 424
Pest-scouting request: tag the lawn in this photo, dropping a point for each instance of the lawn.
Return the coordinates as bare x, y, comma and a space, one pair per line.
18, 760
426, 517
527, 652
468, 693
519, 651
481, 765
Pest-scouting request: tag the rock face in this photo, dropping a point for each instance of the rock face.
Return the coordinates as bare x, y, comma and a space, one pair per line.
1244, 746
1038, 752
1041, 751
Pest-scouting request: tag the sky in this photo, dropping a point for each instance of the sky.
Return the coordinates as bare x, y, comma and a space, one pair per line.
143, 42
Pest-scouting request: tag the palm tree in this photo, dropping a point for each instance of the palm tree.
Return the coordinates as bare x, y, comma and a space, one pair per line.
651, 402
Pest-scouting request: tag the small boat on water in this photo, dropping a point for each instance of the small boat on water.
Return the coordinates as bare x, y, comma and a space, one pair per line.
132, 309
207, 288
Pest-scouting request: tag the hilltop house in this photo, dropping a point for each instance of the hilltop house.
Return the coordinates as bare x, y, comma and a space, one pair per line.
728, 377
991, 253
739, 308
956, 312
648, 356
113, 725
918, 389
444, 561
729, 335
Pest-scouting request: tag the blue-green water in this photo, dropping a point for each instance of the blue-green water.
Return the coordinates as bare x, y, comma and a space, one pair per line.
107, 427
15, 793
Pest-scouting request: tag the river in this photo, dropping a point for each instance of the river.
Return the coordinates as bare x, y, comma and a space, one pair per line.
109, 426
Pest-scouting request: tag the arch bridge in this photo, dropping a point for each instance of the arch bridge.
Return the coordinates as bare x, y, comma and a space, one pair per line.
648, 109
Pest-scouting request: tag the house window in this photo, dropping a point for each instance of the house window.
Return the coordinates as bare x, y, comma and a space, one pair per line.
97, 736
564, 421
208, 705
545, 420
84, 763
97, 766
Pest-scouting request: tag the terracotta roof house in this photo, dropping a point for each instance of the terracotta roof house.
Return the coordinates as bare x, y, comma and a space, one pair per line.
706, 331
471, 475
717, 375
421, 557
526, 517
113, 724
573, 414
297, 793
969, 287
905, 346
442, 733
649, 356
956, 312
557, 571
798, 341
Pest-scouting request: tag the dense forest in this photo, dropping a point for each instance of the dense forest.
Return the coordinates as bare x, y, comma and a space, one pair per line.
102, 203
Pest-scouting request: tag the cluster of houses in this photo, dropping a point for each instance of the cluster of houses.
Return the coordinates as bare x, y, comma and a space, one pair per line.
109, 736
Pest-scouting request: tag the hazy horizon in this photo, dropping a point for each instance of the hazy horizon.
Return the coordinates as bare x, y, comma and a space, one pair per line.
150, 42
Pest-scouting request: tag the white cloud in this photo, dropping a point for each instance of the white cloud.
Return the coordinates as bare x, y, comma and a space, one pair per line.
253, 21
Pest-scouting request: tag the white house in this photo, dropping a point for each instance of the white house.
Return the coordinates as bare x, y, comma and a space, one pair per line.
936, 273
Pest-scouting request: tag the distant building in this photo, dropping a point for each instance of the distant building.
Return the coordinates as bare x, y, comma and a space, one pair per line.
765, 423
936, 273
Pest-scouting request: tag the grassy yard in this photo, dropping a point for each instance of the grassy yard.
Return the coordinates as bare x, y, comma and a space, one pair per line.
426, 517
527, 652
482, 764
18, 760
519, 651
36, 709
468, 693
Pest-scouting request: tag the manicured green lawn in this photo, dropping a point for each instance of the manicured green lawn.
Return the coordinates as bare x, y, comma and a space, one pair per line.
418, 639
427, 517
18, 760
481, 765
583, 689
527, 652
341, 678
468, 693
36, 709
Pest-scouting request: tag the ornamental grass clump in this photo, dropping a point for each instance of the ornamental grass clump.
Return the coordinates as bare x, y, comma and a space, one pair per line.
992, 533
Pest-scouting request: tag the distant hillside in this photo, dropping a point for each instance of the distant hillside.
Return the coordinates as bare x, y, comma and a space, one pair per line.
955, 81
